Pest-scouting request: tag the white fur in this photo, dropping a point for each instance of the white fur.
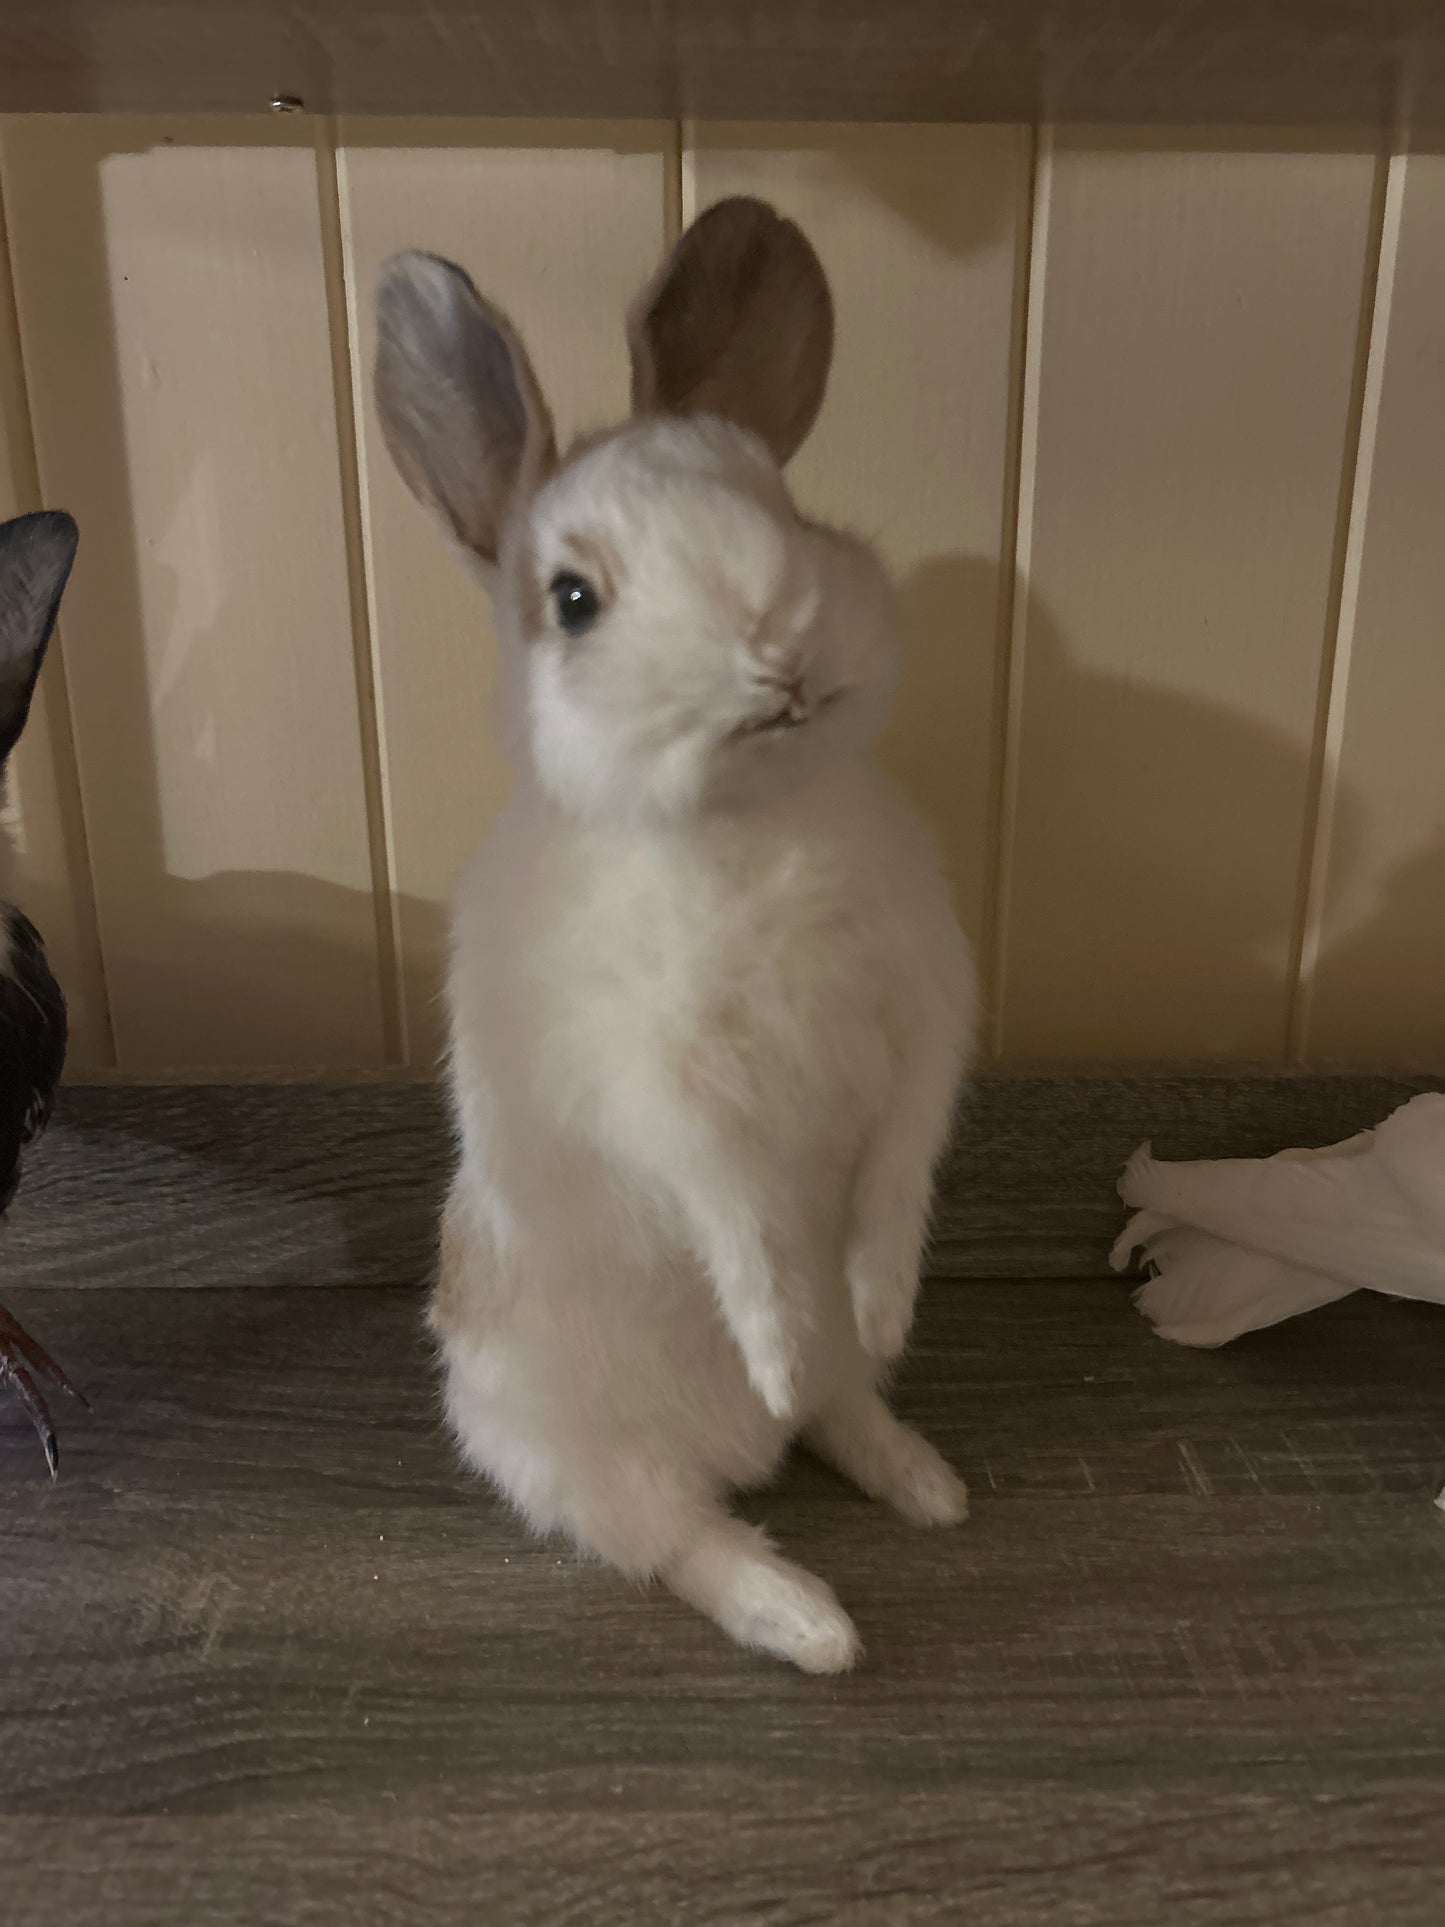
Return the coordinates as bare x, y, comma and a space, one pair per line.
709, 1006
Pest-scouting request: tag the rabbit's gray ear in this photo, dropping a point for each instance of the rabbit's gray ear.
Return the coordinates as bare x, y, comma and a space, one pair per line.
459, 404
36, 552
737, 322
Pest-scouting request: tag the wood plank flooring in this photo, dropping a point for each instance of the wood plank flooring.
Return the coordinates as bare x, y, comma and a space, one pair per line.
340, 1184
266, 1655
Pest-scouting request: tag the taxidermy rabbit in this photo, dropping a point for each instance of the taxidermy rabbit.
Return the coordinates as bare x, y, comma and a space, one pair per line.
36, 552
709, 1002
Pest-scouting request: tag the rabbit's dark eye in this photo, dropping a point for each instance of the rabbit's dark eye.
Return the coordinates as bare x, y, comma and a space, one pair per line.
576, 602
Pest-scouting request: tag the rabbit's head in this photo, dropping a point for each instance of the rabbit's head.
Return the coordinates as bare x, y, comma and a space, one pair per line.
680, 635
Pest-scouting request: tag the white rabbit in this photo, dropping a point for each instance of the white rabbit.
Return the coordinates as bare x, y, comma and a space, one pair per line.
709, 1002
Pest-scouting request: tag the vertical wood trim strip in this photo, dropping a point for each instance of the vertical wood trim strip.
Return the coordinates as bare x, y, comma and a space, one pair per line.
687, 174
672, 189
346, 377
16, 419
1356, 476
1016, 552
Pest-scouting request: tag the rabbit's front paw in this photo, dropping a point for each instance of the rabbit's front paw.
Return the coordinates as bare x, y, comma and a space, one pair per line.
771, 1359
774, 1381
883, 1282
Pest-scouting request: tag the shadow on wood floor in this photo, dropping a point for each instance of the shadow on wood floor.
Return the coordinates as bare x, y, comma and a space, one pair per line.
269, 1657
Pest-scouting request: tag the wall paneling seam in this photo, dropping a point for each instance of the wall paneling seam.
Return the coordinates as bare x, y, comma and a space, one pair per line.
1338, 648
672, 189
1020, 477
347, 378
687, 208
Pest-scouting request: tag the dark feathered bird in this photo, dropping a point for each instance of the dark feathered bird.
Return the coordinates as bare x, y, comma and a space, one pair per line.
36, 552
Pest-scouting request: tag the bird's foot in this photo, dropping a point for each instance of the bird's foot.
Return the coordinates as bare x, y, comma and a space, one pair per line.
22, 1361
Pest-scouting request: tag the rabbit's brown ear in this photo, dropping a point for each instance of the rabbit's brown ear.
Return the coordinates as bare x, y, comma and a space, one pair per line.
36, 552
459, 404
738, 322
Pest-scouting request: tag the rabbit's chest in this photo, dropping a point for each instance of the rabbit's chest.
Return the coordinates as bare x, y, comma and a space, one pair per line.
762, 988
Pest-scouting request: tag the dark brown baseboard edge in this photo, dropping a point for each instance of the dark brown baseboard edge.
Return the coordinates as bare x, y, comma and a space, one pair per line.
313, 1183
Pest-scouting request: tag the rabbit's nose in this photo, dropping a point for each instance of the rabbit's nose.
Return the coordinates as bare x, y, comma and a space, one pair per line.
789, 685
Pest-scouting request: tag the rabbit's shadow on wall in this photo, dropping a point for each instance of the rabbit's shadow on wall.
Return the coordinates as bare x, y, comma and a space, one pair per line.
1103, 898
1101, 911
1098, 951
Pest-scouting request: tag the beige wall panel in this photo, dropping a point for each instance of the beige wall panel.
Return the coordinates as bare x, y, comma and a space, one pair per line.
173, 306
1187, 424
919, 229
42, 815
1379, 989
559, 225
1194, 358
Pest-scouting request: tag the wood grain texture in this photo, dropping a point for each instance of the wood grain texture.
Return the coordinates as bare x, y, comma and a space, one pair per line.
46, 862
173, 310
1197, 314
1377, 985
1182, 1664
559, 226
1140, 60
219, 1186
911, 449
233, 1185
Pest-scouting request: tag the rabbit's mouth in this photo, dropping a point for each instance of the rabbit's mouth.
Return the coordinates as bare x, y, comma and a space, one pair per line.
792, 715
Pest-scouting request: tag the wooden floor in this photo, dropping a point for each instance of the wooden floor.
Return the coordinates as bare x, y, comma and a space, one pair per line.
266, 1656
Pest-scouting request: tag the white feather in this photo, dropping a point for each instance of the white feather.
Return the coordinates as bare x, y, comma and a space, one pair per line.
1239, 1243
1206, 1291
